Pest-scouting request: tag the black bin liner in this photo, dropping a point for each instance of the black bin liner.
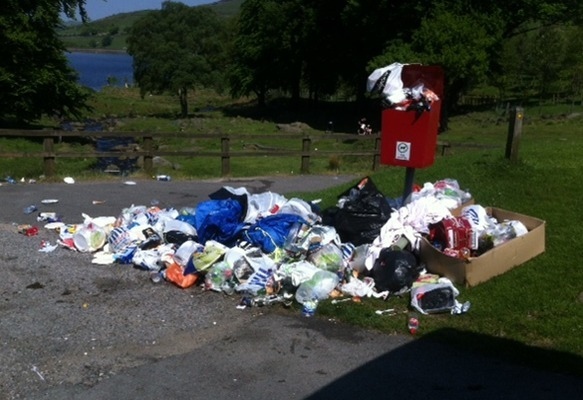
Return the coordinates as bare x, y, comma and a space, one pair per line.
363, 214
395, 270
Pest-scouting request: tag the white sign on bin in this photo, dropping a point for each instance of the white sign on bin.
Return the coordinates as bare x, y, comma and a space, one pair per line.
403, 151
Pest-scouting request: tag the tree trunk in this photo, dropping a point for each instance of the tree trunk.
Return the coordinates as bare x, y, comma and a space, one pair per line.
453, 91
295, 93
261, 97
183, 95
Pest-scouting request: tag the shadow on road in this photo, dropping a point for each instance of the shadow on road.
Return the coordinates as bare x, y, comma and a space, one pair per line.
434, 367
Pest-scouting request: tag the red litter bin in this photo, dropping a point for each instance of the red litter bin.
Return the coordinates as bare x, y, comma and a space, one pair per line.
409, 137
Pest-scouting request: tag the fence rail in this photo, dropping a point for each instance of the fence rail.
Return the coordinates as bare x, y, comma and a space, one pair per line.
148, 151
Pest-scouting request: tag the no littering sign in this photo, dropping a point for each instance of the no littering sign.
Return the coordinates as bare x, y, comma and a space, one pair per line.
403, 151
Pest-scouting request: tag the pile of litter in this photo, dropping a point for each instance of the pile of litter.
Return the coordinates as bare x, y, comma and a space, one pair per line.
269, 249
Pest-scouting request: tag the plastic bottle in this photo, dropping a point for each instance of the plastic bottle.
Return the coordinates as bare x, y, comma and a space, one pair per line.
309, 308
413, 323
165, 178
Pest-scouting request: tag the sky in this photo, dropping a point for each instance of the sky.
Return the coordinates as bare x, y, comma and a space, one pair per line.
97, 9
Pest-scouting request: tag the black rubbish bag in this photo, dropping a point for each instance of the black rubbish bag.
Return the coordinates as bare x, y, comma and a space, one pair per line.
395, 270
361, 216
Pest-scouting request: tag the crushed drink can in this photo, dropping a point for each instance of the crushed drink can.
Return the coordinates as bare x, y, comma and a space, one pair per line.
165, 178
156, 277
413, 324
454, 233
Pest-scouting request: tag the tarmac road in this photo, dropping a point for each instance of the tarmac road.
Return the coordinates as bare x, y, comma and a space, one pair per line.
70, 329
112, 196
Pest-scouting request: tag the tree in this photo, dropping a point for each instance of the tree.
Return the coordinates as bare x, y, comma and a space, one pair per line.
462, 46
177, 49
106, 40
547, 60
35, 77
257, 55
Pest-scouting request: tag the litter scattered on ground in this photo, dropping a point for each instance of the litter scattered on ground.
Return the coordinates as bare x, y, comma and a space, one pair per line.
47, 247
49, 201
37, 371
269, 249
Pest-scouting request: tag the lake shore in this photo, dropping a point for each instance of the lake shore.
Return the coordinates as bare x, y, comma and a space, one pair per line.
95, 51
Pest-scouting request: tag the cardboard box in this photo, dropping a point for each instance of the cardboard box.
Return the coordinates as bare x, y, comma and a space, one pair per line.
493, 262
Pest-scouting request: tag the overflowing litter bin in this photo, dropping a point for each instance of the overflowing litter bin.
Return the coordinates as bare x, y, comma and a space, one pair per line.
410, 118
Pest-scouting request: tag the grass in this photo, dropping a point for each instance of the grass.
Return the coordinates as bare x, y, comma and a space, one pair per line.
532, 314
541, 302
123, 109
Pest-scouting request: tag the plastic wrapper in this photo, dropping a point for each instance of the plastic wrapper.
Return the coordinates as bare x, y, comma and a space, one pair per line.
176, 274
297, 272
317, 288
358, 288
263, 269
184, 253
151, 259
210, 254
220, 278
328, 257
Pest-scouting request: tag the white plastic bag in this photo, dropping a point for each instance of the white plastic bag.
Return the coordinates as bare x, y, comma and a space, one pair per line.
358, 288
439, 297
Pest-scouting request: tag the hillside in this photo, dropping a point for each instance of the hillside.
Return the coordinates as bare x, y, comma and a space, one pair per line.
109, 34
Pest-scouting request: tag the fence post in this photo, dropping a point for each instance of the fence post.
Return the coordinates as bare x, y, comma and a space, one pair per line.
376, 158
149, 158
514, 132
306, 145
225, 157
49, 157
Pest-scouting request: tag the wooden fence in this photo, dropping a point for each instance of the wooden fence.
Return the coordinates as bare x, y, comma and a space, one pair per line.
147, 149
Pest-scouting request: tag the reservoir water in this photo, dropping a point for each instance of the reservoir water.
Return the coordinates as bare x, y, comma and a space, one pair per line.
96, 69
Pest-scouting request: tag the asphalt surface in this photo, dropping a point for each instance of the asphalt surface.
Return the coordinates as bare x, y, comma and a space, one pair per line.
109, 198
73, 330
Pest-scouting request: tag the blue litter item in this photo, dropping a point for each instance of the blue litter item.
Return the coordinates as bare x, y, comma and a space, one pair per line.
272, 231
219, 220
188, 218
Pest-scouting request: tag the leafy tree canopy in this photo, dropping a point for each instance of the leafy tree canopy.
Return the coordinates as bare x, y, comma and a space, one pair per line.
35, 77
467, 38
177, 49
